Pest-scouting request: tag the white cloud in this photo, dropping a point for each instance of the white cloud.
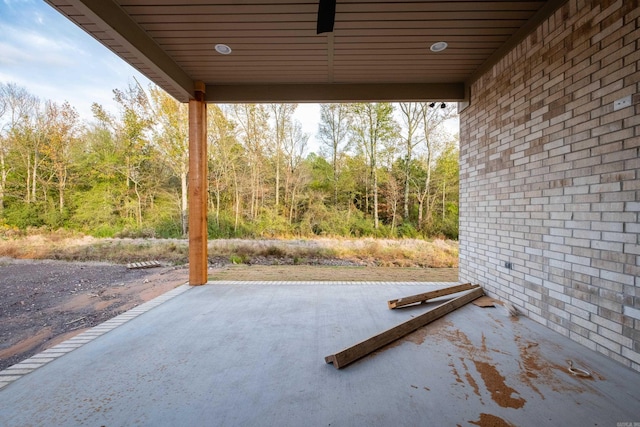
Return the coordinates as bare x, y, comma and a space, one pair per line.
53, 59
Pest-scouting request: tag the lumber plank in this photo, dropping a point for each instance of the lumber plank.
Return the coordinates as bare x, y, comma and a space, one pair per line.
357, 351
143, 264
401, 302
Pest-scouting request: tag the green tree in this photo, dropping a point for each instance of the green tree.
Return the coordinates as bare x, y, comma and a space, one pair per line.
373, 125
412, 112
435, 135
226, 159
253, 126
171, 136
333, 132
62, 131
296, 175
282, 118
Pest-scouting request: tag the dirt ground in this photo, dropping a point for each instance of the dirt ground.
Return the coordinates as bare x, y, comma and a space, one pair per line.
44, 302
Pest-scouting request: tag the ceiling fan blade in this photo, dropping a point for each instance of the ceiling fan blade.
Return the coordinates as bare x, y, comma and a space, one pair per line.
326, 16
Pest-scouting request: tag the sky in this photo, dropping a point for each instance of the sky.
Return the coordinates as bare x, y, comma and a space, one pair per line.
53, 59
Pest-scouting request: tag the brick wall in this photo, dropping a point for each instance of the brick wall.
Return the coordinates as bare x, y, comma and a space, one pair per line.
550, 179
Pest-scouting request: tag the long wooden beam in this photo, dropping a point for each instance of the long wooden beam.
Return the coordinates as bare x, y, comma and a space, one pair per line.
357, 351
198, 257
401, 302
347, 92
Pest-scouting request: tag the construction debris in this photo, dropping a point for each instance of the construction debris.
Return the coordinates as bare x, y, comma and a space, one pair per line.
357, 351
511, 309
144, 264
422, 298
486, 301
577, 371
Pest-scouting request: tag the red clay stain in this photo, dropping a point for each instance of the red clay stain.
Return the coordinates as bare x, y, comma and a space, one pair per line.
488, 420
455, 373
434, 330
536, 368
501, 393
472, 382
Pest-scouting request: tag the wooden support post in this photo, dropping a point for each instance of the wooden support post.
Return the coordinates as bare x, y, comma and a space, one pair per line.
198, 230
401, 302
355, 352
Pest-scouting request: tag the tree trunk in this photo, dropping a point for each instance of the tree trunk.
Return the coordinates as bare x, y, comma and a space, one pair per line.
277, 181
375, 199
61, 197
291, 207
139, 205
184, 214
335, 176
406, 191
237, 211
62, 183
218, 203
3, 181
28, 186
34, 177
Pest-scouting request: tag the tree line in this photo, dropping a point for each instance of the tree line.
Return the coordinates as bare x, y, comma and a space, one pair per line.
381, 169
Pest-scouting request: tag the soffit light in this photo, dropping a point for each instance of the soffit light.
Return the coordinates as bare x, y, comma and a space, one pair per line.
438, 46
223, 49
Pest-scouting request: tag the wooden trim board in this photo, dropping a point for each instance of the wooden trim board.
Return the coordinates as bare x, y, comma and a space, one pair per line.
357, 351
396, 303
143, 264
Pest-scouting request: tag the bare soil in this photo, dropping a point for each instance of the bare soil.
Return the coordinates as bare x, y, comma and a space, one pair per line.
44, 302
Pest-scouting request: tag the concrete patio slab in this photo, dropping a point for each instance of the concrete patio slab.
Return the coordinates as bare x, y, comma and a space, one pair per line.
252, 354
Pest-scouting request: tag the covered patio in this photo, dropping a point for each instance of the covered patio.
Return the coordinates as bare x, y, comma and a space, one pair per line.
549, 100
252, 353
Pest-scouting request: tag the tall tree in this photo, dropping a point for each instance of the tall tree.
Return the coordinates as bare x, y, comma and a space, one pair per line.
435, 135
282, 117
253, 125
171, 135
333, 132
373, 124
20, 134
135, 123
295, 146
61, 135
411, 115
225, 157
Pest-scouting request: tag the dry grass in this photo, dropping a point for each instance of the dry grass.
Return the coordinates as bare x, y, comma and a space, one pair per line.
366, 252
308, 273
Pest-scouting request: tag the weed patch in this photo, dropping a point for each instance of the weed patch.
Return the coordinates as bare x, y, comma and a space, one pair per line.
365, 252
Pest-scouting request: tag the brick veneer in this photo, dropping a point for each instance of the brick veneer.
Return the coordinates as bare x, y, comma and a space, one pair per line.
550, 177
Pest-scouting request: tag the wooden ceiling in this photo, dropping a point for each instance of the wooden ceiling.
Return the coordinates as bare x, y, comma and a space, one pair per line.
379, 50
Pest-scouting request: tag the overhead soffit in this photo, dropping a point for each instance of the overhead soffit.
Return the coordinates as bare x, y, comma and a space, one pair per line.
379, 50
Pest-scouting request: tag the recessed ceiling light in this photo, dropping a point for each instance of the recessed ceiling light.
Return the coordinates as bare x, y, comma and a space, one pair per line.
223, 49
439, 46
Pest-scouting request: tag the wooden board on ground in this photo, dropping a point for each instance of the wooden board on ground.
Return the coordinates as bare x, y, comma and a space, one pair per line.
357, 351
143, 264
486, 301
420, 298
